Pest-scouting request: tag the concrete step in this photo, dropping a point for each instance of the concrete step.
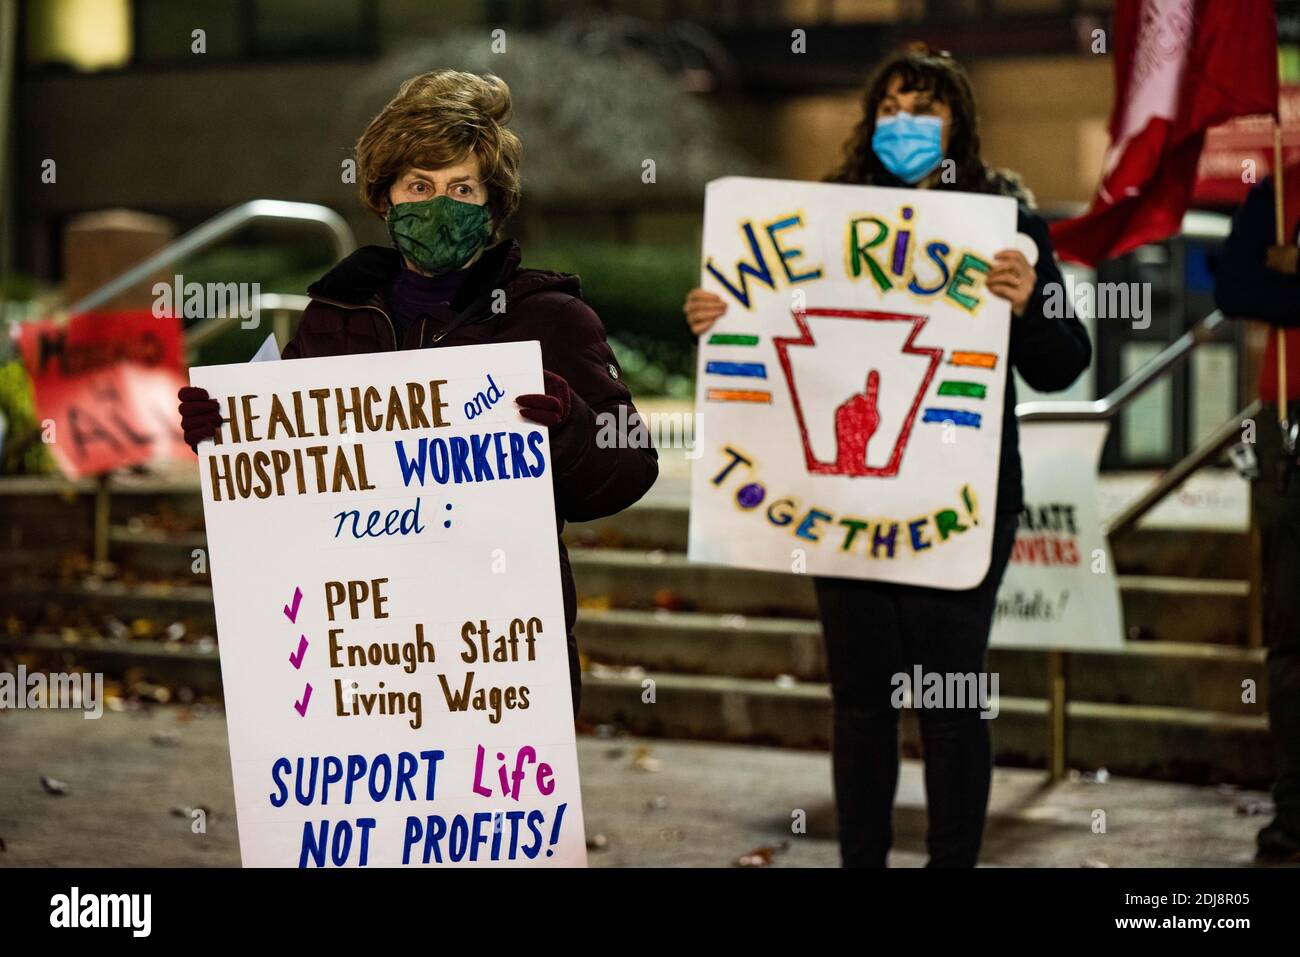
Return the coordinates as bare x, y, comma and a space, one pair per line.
41, 513
693, 643
1178, 609
46, 523
1193, 552
1147, 741
171, 664
123, 600
1167, 743
1160, 674
1155, 608
151, 552
646, 525
656, 579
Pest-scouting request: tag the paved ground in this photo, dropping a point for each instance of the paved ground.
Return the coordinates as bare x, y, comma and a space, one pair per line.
130, 778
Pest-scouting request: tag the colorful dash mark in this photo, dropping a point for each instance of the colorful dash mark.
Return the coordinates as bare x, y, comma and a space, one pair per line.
970, 390
755, 370
732, 339
955, 416
738, 395
980, 360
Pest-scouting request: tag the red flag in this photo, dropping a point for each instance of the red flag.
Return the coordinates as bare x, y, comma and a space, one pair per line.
1181, 67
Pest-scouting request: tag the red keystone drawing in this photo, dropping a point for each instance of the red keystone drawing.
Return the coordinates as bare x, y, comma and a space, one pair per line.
857, 418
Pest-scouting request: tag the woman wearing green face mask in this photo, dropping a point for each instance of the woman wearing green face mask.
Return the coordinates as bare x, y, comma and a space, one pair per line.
440, 167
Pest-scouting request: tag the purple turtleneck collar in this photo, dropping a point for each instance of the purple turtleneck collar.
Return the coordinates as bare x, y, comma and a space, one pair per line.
411, 296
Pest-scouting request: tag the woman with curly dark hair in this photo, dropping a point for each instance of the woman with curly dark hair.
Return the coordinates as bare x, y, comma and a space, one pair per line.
919, 130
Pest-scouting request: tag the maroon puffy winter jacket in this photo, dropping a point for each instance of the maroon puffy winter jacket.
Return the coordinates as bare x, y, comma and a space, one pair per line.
502, 302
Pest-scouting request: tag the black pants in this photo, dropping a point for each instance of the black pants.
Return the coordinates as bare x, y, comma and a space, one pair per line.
874, 631
575, 675
1278, 516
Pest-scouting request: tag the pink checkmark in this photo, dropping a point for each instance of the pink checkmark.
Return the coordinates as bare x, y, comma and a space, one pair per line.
301, 706
291, 611
295, 658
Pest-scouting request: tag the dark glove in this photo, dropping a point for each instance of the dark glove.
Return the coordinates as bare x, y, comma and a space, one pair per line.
551, 409
200, 415
560, 409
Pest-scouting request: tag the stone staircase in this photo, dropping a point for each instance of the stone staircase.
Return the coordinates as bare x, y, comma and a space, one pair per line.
687, 651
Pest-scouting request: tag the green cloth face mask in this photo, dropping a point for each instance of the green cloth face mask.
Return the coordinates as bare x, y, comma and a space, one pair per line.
438, 235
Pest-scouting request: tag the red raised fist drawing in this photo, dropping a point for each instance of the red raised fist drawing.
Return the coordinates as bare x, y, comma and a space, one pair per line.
855, 423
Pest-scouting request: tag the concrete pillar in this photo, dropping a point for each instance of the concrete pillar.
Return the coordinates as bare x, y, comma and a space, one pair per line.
100, 246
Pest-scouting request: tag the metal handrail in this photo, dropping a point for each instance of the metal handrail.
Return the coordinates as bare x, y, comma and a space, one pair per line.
203, 332
1107, 407
1209, 450
216, 229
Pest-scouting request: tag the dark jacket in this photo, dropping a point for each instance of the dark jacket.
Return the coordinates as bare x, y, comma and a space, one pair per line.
1049, 353
1244, 286
502, 302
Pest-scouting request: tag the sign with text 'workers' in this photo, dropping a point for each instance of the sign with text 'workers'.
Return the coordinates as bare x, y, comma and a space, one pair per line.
850, 399
387, 589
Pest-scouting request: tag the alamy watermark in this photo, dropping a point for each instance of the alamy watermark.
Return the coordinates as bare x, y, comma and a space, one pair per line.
57, 690
934, 690
207, 300
1130, 301
77, 909
663, 430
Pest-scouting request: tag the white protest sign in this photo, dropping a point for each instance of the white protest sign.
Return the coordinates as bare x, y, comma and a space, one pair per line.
1060, 589
850, 400
387, 588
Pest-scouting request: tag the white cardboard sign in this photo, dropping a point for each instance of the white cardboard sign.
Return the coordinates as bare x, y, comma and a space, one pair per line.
1060, 589
850, 399
387, 587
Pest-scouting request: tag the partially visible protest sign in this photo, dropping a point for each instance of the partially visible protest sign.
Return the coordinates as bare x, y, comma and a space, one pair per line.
1060, 589
851, 397
387, 588
106, 383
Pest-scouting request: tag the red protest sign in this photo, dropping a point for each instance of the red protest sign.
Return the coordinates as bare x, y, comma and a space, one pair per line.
108, 381
1239, 153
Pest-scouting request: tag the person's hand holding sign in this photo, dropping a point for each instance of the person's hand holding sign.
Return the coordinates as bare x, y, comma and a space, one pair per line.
550, 409
703, 309
1012, 278
554, 409
200, 415
1283, 259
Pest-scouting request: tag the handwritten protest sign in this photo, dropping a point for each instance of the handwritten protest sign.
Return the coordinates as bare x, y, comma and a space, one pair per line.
106, 382
1060, 589
387, 588
850, 400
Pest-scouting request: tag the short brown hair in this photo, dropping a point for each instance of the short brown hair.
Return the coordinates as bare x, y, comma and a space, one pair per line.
437, 119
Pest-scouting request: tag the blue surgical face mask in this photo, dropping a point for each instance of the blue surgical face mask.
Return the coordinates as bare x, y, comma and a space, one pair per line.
909, 146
